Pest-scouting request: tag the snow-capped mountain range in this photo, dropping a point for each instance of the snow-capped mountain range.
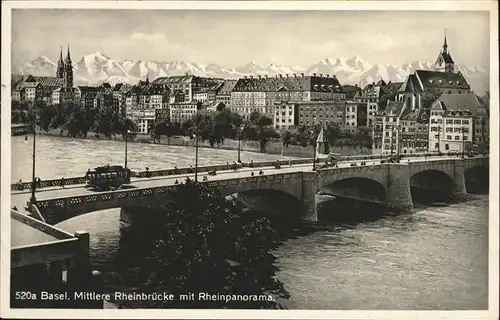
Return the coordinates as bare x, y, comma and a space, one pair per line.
97, 68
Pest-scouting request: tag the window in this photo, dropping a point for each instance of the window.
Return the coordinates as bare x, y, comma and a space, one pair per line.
457, 122
449, 129
436, 136
466, 138
448, 137
447, 147
449, 121
457, 137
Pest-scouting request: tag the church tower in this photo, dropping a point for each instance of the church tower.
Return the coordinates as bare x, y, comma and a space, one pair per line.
60, 67
68, 72
444, 62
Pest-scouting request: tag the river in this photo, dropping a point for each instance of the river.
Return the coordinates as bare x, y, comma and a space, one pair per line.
433, 259
58, 157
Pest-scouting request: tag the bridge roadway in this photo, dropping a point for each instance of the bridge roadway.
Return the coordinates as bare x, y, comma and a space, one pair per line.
20, 198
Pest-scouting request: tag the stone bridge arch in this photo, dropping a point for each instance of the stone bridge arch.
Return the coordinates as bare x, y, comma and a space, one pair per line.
437, 180
382, 184
357, 188
293, 184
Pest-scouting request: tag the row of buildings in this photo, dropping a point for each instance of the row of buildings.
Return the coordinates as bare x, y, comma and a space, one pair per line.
404, 116
432, 111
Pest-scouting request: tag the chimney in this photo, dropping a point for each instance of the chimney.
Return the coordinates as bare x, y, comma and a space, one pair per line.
266, 76
389, 82
187, 74
373, 83
302, 74
281, 76
328, 76
295, 75
314, 74
259, 76
287, 75
321, 75
244, 77
251, 77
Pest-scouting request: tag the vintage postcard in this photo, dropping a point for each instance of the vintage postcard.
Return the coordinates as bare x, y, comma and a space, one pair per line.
230, 160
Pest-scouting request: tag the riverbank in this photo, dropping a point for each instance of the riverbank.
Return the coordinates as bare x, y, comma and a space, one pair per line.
272, 147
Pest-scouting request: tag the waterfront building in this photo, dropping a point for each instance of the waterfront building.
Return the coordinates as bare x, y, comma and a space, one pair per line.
262, 94
162, 114
373, 95
479, 110
309, 113
28, 87
180, 112
207, 94
224, 93
120, 91
386, 131
188, 85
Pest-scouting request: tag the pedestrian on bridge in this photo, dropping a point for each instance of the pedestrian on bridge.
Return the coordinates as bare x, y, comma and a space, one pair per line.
38, 182
176, 181
261, 172
252, 174
62, 182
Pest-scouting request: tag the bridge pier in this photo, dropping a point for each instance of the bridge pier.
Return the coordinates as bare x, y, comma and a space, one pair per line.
459, 190
310, 187
398, 188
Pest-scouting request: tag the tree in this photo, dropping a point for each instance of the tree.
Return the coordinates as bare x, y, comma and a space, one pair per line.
200, 241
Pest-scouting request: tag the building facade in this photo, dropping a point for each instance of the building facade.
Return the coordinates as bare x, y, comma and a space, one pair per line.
262, 94
180, 112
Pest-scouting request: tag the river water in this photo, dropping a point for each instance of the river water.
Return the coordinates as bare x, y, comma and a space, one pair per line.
435, 258
58, 157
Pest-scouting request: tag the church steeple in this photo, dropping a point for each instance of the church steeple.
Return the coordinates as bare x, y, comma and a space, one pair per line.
444, 62
68, 72
60, 66
445, 45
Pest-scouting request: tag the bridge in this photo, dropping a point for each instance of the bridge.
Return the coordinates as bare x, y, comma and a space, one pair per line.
388, 183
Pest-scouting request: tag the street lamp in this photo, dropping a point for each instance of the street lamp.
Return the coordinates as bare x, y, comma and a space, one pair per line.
314, 150
195, 135
126, 143
240, 129
33, 181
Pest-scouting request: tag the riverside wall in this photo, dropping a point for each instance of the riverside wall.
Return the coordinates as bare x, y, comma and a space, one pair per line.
272, 147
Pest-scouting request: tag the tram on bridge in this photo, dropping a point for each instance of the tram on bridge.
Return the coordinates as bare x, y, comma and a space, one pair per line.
107, 178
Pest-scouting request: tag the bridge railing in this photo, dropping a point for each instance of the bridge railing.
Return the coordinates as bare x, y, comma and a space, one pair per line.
156, 173
59, 209
181, 171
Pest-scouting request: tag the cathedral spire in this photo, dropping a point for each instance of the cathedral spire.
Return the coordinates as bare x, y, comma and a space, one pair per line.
68, 56
445, 45
60, 66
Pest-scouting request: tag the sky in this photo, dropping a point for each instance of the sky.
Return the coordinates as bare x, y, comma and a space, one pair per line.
234, 38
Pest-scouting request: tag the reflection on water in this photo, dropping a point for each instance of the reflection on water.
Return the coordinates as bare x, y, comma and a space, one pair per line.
435, 258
